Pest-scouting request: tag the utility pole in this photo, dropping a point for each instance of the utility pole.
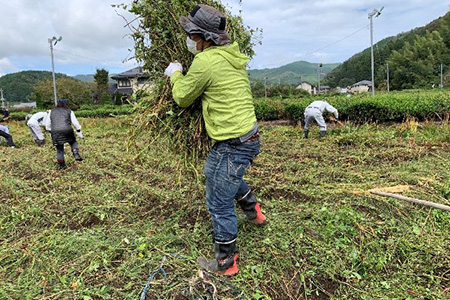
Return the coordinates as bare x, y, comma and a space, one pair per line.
375, 13
265, 87
2, 99
442, 72
318, 76
387, 72
50, 41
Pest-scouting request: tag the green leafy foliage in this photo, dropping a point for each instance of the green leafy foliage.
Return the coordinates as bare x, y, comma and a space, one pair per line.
76, 92
86, 111
18, 87
384, 107
416, 65
291, 74
99, 229
101, 78
159, 39
267, 110
414, 59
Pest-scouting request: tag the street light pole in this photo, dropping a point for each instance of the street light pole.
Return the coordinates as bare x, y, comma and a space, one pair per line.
2, 99
50, 41
375, 13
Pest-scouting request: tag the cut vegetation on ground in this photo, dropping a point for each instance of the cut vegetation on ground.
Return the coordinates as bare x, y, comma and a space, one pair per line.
99, 229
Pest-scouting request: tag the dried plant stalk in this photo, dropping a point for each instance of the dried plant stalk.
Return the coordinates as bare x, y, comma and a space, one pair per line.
159, 39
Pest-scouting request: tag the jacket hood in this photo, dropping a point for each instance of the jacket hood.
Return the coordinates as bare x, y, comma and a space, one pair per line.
232, 54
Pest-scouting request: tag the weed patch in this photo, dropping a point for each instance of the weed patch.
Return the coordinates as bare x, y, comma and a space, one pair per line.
99, 229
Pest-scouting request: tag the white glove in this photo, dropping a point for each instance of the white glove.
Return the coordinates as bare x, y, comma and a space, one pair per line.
80, 134
172, 68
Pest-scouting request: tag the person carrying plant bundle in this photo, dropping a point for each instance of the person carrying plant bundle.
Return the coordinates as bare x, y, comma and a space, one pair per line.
6, 115
59, 122
35, 122
218, 75
4, 132
314, 112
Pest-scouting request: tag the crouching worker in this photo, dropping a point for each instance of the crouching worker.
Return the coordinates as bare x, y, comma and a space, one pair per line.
59, 122
218, 75
4, 132
35, 122
314, 112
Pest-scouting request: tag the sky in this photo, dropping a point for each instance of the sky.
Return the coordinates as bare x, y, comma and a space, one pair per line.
94, 35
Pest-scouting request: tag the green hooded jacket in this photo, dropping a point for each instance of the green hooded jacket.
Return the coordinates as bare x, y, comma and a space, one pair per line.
219, 76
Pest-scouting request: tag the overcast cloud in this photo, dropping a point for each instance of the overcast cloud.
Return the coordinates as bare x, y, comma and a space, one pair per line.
94, 36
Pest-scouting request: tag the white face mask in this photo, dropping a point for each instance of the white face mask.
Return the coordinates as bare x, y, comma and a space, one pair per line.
192, 45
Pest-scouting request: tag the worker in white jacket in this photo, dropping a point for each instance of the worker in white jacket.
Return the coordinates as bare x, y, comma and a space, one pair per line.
35, 122
4, 132
314, 111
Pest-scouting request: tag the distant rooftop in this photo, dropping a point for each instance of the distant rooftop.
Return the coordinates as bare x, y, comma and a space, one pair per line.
363, 82
26, 104
132, 73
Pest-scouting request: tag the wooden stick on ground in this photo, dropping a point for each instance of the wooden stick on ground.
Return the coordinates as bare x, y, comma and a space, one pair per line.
413, 200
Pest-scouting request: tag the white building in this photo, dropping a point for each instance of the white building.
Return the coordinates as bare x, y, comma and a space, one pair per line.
304, 85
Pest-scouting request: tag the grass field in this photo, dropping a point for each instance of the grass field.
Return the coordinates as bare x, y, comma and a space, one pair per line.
100, 228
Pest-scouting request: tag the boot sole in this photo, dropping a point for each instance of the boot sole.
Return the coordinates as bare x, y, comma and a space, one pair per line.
233, 270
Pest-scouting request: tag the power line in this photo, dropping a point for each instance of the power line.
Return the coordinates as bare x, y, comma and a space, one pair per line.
329, 45
92, 59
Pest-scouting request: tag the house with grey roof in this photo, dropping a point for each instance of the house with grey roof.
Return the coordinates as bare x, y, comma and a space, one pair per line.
129, 82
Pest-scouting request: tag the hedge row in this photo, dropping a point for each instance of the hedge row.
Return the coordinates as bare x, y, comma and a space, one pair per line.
363, 108
385, 107
92, 113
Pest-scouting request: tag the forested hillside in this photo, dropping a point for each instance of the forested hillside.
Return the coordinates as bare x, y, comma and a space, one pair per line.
414, 59
18, 87
90, 78
291, 74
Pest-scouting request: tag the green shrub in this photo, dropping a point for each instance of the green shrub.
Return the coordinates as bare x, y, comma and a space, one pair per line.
268, 110
295, 111
19, 116
102, 111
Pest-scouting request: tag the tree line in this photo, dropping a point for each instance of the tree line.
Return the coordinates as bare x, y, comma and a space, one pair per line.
413, 59
28, 86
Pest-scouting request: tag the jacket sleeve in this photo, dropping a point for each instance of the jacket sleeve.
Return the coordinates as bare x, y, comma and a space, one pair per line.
186, 88
48, 122
332, 110
74, 121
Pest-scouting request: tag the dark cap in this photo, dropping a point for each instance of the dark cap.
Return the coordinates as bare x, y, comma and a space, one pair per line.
207, 21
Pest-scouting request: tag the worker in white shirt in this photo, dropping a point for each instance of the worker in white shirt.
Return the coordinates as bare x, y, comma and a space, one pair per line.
4, 132
35, 122
59, 122
314, 112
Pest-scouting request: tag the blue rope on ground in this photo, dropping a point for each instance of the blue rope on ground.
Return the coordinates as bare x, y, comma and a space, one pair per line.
152, 277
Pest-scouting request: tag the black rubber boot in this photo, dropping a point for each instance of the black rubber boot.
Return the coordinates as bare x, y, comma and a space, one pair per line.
247, 203
40, 143
76, 155
225, 263
61, 165
322, 134
252, 209
306, 133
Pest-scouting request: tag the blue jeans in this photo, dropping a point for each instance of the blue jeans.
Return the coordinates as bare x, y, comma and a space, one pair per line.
224, 170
